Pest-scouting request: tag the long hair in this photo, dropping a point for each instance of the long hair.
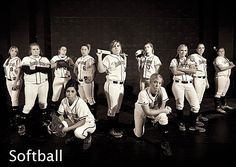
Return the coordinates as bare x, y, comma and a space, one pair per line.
9, 57
178, 49
160, 95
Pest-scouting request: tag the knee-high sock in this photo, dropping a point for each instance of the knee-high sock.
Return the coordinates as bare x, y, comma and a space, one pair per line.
180, 115
217, 102
193, 118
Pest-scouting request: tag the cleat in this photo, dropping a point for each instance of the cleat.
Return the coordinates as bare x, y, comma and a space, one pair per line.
87, 142
116, 134
226, 107
165, 146
199, 123
219, 109
202, 118
21, 130
197, 128
182, 127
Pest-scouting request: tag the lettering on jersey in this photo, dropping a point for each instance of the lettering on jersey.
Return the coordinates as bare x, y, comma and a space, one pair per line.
35, 63
43, 64
202, 62
72, 116
83, 65
12, 64
118, 63
148, 64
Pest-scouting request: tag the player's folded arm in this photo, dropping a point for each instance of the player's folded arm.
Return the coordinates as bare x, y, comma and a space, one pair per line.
43, 69
27, 70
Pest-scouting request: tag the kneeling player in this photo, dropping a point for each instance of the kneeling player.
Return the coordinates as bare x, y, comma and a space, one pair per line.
76, 110
151, 103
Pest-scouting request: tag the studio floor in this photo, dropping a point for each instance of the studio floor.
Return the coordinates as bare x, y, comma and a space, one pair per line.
215, 146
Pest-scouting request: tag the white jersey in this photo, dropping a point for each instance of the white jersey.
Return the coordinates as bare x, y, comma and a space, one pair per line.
61, 72
77, 111
11, 67
223, 62
148, 65
145, 98
200, 63
183, 63
84, 65
115, 67
32, 62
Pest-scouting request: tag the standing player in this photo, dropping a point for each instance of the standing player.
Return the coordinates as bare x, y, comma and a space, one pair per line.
182, 87
152, 103
115, 66
35, 69
222, 80
62, 64
85, 69
11, 69
200, 80
77, 111
147, 65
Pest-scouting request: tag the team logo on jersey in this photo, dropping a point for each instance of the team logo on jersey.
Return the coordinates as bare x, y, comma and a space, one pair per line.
148, 64
118, 63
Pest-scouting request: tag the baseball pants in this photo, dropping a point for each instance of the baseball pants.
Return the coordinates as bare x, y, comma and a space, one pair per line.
182, 90
31, 93
222, 85
114, 94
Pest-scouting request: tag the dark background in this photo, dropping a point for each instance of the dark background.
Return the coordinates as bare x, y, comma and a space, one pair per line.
166, 24
134, 22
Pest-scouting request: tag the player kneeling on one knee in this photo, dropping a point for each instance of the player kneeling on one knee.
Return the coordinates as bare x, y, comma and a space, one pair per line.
72, 107
151, 103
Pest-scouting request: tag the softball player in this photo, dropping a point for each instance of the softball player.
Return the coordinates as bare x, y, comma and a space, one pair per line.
182, 87
35, 69
222, 80
147, 65
75, 109
13, 81
61, 64
85, 69
152, 103
115, 67
200, 80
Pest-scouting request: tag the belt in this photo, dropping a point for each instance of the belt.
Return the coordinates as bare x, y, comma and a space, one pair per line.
185, 82
203, 77
117, 82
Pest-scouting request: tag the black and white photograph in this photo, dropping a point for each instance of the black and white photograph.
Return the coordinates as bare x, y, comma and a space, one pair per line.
117, 83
